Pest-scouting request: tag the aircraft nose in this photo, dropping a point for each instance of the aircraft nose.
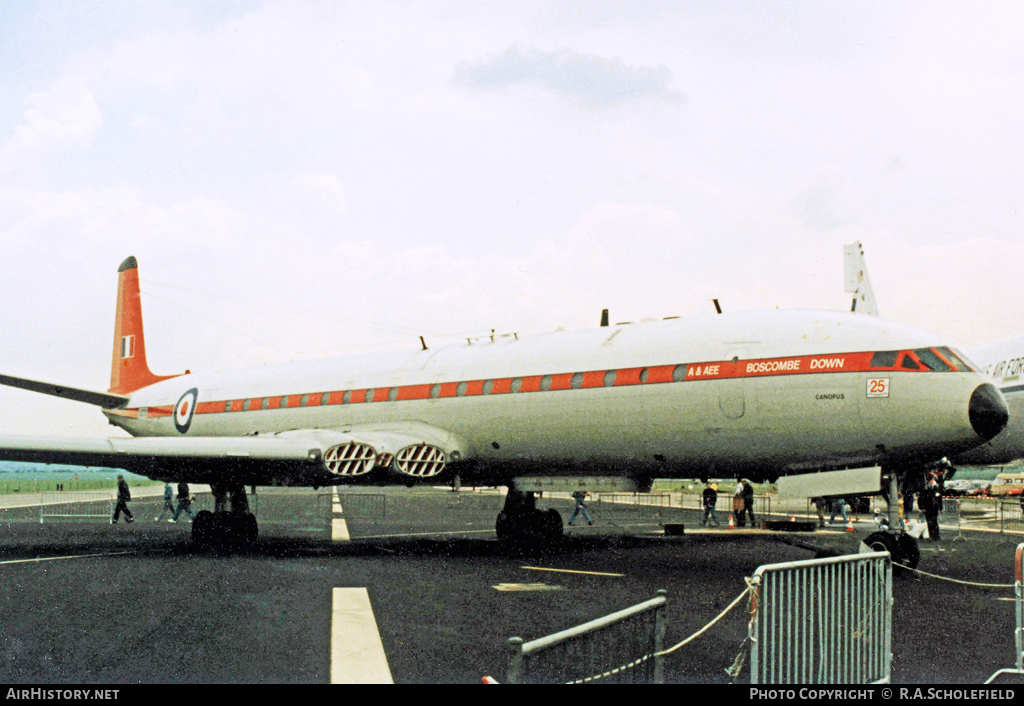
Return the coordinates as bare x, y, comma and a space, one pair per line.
987, 411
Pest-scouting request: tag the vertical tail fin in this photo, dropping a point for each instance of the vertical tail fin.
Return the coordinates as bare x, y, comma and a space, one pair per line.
129, 370
856, 280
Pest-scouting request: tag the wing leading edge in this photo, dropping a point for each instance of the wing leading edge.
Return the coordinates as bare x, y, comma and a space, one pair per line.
297, 458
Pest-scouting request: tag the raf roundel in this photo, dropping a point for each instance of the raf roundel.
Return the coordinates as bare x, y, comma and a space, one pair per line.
184, 410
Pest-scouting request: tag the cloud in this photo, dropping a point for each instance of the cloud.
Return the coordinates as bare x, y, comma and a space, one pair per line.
64, 116
593, 80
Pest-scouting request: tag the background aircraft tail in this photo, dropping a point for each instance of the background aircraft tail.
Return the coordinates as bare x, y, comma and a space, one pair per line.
857, 282
129, 370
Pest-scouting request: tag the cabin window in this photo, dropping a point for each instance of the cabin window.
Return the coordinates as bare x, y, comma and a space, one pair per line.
517, 384
347, 397
265, 403
227, 406
460, 389
435, 391
304, 400
884, 359
369, 395
679, 373
959, 364
576, 382
545, 383
609, 378
932, 361
488, 386
325, 398
246, 405
393, 394
643, 375
284, 401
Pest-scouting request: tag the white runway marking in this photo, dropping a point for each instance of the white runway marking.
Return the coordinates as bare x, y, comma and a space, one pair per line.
357, 653
339, 530
59, 558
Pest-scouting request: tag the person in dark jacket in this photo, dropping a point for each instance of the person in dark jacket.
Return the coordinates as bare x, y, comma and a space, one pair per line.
710, 499
747, 493
184, 502
123, 496
930, 501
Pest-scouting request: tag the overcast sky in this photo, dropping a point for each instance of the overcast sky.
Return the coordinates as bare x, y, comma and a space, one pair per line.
308, 179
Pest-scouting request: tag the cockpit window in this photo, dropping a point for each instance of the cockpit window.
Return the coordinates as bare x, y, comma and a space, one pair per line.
883, 359
908, 363
956, 359
931, 360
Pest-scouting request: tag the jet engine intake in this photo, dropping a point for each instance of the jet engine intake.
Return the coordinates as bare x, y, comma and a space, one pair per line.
420, 461
350, 459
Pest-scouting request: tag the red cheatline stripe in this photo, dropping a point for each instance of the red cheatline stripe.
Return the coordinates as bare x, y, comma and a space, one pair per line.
709, 370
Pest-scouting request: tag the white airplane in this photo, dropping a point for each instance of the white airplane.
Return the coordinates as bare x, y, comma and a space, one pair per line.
758, 395
1003, 362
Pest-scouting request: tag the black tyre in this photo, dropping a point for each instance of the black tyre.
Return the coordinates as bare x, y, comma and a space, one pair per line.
553, 525
910, 552
883, 542
202, 528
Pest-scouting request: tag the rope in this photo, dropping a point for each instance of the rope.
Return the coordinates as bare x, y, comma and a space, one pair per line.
706, 627
670, 650
963, 583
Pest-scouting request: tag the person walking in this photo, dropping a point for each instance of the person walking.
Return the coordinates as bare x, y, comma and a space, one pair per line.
581, 506
838, 508
184, 502
168, 502
710, 499
123, 496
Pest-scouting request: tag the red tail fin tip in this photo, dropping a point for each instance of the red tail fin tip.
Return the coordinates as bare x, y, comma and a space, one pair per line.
129, 370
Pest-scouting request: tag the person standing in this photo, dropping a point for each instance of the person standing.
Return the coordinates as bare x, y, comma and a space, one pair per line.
748, 500
123, 496
184, 502
710, 499
168, 501
581, 506
930, 501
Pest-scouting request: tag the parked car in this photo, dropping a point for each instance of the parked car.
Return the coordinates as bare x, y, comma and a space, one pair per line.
1008, 484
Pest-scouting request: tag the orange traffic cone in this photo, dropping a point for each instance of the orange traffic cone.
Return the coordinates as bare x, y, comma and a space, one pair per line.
792, 518
849, 525
732, 522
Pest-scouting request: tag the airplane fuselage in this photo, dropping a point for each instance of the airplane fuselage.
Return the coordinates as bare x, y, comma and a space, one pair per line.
760, 394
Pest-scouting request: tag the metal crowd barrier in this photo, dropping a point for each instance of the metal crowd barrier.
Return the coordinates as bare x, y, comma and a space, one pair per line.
1018, 633
89, 505
1011, 518
619, 648
823, 621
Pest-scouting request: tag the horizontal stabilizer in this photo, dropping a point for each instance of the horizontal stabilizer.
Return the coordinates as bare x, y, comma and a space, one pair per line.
100, 399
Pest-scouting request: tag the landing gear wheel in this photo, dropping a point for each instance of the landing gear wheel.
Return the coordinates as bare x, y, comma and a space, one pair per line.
902, 548
909, 551
553, 525
203, 528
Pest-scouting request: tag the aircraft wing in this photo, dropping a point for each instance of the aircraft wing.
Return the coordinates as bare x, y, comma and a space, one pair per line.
303, 457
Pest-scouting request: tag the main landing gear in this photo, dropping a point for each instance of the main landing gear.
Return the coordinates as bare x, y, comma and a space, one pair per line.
230, 523
902, 548
520, 523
